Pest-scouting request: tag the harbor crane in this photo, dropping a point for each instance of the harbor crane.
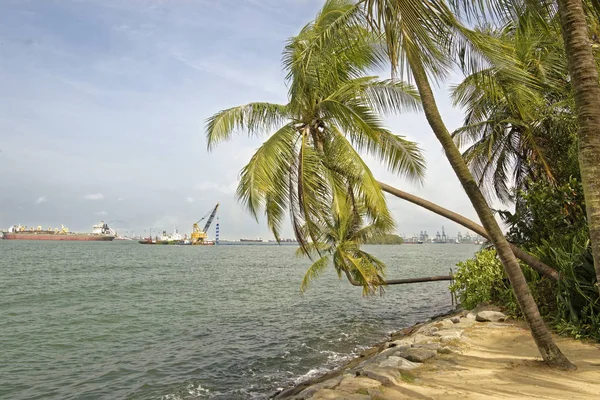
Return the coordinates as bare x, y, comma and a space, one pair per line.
199, 236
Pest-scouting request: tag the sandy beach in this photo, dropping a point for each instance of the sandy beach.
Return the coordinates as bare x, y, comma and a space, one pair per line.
460, 357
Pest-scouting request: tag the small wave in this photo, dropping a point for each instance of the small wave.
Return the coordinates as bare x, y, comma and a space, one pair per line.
197, 390
192, 390
313, 373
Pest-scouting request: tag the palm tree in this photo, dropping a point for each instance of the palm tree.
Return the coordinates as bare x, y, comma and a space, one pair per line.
416, 34
583, 69
512, 124
301, 167
537, 265
332, 115
578, 20
343, 233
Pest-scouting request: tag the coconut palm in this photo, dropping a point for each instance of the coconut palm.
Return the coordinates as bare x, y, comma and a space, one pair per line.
309, 159
514, 124
332, 115
584, 74
578, 20
343, 233
417, 34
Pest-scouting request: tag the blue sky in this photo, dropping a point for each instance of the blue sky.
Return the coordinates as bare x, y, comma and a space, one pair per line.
103, 103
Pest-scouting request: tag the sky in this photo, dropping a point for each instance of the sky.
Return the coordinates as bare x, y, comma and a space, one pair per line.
103, 106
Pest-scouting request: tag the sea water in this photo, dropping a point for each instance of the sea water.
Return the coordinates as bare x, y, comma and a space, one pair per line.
120, 320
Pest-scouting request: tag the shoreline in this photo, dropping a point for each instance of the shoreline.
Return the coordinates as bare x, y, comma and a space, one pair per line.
460, 354
366, 354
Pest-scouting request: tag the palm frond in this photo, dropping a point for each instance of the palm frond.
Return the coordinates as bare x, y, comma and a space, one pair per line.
255, 118
263, 179
313, 272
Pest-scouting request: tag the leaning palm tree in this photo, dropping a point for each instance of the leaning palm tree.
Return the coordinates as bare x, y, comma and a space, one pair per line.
332, 115
416, 36
329, 98
343, 233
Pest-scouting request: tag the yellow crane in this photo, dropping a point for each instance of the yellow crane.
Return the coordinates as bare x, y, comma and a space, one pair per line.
199, 236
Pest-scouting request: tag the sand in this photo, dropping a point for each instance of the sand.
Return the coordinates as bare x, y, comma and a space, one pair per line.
501, 361
490, 360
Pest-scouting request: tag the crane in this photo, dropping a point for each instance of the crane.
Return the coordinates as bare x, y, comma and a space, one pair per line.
199, 236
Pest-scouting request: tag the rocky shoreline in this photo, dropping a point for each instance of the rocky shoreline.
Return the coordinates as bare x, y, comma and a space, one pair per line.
389, 363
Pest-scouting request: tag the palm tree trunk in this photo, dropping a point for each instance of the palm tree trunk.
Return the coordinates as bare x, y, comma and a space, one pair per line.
548, 349
584, 77
530, 260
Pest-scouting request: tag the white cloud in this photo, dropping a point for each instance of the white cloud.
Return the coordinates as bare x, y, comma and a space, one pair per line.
120, 199
94, 196
189, 199
101, 213
41, 199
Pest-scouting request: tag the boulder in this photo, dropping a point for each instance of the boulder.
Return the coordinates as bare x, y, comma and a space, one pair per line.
428, 346
455, 320
490, 316
354, 384
428, 330
417, 354
399, 363
385, 375
449, 334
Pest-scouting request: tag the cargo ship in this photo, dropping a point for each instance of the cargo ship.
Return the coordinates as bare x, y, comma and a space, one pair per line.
100, 232
259, 240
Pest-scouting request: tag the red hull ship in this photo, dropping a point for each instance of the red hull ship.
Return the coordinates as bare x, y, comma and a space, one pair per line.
101, 232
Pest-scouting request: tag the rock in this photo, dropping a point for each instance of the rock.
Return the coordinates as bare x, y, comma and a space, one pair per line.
399, 363
428, 330
329, 394
418, 338
408, 341
490, 316
455, 320
312, 389
445, 323
385, 375
480, 307
417, 354
428, 346
449, 334
354, 384
445, 350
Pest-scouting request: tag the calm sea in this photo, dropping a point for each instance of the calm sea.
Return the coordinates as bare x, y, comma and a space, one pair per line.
126, 321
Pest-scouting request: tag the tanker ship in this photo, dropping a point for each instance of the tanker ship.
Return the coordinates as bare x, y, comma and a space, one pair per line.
100, 232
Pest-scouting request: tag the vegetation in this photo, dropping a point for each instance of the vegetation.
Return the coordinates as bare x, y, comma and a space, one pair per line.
531, 123
312, 162
527, 110
418, 36
342, 235
388, 238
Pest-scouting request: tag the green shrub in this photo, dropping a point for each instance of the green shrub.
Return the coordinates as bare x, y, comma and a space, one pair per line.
571, 305
477, 280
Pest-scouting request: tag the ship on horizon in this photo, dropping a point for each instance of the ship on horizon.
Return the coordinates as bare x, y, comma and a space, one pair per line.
100, 232
257, 240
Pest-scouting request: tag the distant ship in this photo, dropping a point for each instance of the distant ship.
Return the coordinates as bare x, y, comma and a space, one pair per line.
174, 238
100, 232
259, 240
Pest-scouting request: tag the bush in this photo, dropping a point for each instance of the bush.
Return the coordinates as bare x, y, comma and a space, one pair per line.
479, 279
571, 306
